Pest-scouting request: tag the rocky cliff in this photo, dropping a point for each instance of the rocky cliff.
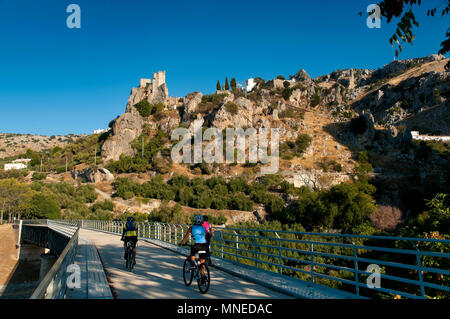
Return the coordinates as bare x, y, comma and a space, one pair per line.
390, 101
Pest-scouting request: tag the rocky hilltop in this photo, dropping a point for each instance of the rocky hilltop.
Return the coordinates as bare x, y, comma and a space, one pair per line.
16, 144
399, 97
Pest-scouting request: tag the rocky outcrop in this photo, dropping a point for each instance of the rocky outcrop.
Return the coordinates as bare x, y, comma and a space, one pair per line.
125, 129
244, 117
302, 76
191, 104
392, 104
400, 66
167, 124
159, 95
128, 126
90, 175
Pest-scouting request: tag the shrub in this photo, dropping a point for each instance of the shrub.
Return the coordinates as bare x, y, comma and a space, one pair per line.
101, 214
303, 142
274, 204
231, 108
86, 193
287, 92
315, 99
104, 205
240, 202
14, 173
364, 168
217, 220
220, 202
38, 176
125, 186
238, 184
143, 108
167, 214
386, 218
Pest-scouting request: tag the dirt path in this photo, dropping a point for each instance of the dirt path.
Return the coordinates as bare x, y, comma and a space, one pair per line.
8, 252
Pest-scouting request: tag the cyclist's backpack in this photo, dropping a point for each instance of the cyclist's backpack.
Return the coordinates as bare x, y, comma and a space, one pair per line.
130, 226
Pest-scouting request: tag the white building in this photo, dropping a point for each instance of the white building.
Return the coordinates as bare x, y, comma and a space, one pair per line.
249, 85
100, 131
11, 166
418, 137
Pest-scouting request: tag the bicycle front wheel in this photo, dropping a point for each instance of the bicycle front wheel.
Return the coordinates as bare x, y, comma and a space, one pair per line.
204, 278
188, 274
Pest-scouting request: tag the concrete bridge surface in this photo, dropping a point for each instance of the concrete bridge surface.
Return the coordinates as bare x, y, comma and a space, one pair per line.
158, 274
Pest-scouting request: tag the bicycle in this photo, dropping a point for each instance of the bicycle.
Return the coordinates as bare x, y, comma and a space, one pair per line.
130, 261
189, 273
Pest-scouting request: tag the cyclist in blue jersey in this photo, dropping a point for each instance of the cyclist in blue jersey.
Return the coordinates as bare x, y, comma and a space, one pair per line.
200, 243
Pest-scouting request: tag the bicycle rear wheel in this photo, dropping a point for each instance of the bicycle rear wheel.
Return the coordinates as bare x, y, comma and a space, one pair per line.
130, 258
203, 280
188, 274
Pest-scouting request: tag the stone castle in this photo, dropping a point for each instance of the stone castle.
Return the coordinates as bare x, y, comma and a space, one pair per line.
159, 79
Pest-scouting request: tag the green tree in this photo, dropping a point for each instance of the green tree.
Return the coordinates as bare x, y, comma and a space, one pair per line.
144, 108
218, 87
233, 84
364, 168
13, 197
43, 207
227, 85
438, 213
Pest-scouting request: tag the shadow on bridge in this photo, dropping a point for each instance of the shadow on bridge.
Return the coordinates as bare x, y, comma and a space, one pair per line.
158, 274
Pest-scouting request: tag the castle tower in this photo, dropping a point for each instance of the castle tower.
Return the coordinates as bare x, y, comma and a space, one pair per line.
145, 82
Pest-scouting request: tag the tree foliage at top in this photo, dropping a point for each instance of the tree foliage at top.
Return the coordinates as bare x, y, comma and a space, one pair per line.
404, 8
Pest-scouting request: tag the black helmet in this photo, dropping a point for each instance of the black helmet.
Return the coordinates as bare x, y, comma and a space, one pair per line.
198, 219
130, 219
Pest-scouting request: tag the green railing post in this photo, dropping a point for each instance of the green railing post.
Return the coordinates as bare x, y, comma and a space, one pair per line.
355, 255
312, 259
279, 252
419, 270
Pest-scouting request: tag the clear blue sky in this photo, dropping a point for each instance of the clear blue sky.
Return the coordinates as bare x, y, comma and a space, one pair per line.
55, 80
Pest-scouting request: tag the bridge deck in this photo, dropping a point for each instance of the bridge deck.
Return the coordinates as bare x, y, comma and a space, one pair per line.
158, 274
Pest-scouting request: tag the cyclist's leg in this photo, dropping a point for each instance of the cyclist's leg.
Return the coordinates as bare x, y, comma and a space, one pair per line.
208, 252
202, 257
192, 255
134, 241
125, 247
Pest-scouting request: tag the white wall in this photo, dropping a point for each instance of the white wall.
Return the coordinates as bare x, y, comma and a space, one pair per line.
416, 136
11, 166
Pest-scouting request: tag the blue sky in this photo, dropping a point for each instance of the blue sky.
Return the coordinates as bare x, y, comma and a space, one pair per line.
55, 80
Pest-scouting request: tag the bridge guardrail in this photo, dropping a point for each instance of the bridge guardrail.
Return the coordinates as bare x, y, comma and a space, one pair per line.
54, 284
406, 267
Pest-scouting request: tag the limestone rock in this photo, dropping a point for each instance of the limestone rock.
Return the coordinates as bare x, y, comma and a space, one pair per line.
302, 76
88, 174
191, 104
125, 129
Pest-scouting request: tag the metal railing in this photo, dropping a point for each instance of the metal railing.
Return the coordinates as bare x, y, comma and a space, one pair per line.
409, 267
54, 283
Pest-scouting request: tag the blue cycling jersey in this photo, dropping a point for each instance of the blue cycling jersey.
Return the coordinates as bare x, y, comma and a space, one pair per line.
199, 232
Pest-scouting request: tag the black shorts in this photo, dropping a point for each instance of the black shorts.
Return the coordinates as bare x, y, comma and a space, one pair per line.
132, 239
199, 247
